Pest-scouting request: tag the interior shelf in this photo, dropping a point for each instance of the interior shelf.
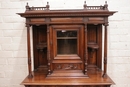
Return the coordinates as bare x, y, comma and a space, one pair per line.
93, 45
41, 46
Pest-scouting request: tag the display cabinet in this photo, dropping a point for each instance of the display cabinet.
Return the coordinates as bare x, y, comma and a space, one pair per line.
67, 46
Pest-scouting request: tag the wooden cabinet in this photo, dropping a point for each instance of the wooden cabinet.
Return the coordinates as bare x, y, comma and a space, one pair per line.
67, 47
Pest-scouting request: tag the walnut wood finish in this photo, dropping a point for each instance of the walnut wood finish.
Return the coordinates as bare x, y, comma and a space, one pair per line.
67, 46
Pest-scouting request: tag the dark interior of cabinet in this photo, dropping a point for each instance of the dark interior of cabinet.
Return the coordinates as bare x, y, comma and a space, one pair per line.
95, 36
40, 55
66, 43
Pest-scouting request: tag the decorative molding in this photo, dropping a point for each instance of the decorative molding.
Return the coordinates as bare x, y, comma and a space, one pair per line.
63, 15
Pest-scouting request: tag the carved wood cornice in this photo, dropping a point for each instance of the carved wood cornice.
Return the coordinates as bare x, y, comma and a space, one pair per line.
87, 11
70, 13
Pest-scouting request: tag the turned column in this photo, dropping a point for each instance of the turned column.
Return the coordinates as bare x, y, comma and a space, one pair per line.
29, 50
105, 50
48, 49
86, 50
105, 41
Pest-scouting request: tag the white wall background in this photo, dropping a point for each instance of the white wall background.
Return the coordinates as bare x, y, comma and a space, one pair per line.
13, 55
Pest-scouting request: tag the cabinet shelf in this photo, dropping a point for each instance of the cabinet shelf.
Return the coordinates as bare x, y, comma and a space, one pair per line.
93, 45
41, 46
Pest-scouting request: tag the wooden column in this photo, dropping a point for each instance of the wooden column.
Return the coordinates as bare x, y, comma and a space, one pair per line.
105, 51
29, 50
86, 50
48, 49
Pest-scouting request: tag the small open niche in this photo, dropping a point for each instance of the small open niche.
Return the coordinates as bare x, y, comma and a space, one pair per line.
92, 46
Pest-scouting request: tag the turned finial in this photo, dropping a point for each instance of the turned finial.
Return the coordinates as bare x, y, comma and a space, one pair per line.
27, 4
27, 7
85, 5
47, 6
105, 6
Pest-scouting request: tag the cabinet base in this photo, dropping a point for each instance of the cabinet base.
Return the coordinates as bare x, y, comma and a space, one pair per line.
95, 79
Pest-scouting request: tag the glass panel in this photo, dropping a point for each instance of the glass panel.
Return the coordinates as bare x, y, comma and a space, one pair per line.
66, 42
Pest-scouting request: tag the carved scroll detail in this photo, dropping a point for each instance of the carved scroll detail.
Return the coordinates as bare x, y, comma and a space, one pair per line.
67, 66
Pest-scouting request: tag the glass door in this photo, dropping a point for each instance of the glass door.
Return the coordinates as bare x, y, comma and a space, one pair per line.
67, 52
67, 42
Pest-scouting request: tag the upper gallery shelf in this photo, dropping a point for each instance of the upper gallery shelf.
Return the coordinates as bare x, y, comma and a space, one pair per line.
87, 11
100, 8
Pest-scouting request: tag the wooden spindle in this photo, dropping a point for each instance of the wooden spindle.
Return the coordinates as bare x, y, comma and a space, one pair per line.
48, 49
105, 52
86, 50
29, 50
